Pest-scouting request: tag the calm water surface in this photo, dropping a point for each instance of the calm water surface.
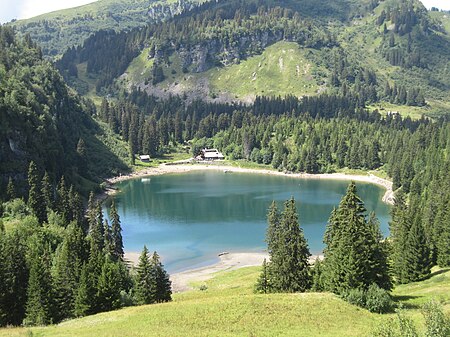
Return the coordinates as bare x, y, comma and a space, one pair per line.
189, 218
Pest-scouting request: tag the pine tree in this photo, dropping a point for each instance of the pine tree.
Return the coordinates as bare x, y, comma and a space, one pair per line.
47, 191
399, 228
84, 294
289, 266
63, 204
354, 255
14, 278
379, 267
163, 290
263, 283
145, 280
97, 229
39, 307
109, 286
10, 190
273, 220
35, 199
116, 233
317, 276
416, 254
66, 271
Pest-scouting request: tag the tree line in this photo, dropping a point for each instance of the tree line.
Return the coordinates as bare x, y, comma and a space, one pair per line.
58, 262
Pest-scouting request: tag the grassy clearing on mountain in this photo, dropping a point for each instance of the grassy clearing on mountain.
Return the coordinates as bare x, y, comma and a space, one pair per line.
281, 69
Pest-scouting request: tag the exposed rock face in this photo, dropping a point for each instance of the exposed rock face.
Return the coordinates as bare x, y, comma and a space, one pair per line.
213, 52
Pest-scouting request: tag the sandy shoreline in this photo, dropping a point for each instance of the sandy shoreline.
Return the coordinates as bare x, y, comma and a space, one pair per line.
181, 281
230, 261
186, 167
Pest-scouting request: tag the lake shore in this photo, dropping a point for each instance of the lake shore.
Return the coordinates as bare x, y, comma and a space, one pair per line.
182, 281
185, 166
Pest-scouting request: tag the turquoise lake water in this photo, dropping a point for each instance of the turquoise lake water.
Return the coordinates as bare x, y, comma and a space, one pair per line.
189, 218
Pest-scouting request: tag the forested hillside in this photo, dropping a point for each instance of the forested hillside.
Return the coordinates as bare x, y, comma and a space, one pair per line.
388, 52
183, 83
44, 121
57, 31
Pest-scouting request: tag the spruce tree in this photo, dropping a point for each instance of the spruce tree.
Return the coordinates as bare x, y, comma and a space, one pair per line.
399, 228
416, 254
263, 283
97, 229
116, 233
14, 278
35, 198
63, 200
273, 221
317, 276
10, 190
84, 294
47, 191
109, 286
66, 271
39, 307
163, 290
289, 266
145, 280
354, 255
379, 265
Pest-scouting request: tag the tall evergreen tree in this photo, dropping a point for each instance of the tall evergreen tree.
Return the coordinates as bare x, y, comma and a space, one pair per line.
416, 254
35, 198
145, 279
263, 283
66, 271
109, 286
11, 190
14, 278
163, 289
39, 307
399, 229
84, 294
116, 233
354, 257
289, 253
47, 191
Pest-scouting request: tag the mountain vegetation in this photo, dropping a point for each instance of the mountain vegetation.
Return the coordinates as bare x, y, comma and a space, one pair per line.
403, 63
60, 259
59, 30
44, 121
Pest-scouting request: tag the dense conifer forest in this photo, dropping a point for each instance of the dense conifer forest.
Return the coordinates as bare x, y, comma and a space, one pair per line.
60, 258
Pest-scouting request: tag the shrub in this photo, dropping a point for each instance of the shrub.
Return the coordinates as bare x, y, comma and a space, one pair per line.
356, 297
436, 323
378, 300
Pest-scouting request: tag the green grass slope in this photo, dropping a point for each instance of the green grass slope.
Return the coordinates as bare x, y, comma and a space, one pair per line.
229, 308
283, 68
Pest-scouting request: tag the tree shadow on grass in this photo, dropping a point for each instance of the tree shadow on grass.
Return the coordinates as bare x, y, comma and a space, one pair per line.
404, 301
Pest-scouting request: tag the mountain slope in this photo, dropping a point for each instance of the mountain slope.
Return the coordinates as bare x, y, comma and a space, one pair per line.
59, 30
229, 308
44, 121
391, 52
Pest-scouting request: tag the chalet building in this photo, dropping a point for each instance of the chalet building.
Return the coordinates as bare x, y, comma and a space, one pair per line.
145, 158
210, 154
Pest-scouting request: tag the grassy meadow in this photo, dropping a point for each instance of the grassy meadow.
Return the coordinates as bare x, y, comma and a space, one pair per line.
228, 307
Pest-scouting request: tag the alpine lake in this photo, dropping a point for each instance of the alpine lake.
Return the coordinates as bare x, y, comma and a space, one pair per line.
190, 218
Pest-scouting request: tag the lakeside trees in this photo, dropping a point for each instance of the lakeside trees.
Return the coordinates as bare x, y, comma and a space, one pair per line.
355, 263
288, 269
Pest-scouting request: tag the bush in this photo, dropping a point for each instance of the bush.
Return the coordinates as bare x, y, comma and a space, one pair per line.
437, 324
373, 299
356, 297
378, 300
